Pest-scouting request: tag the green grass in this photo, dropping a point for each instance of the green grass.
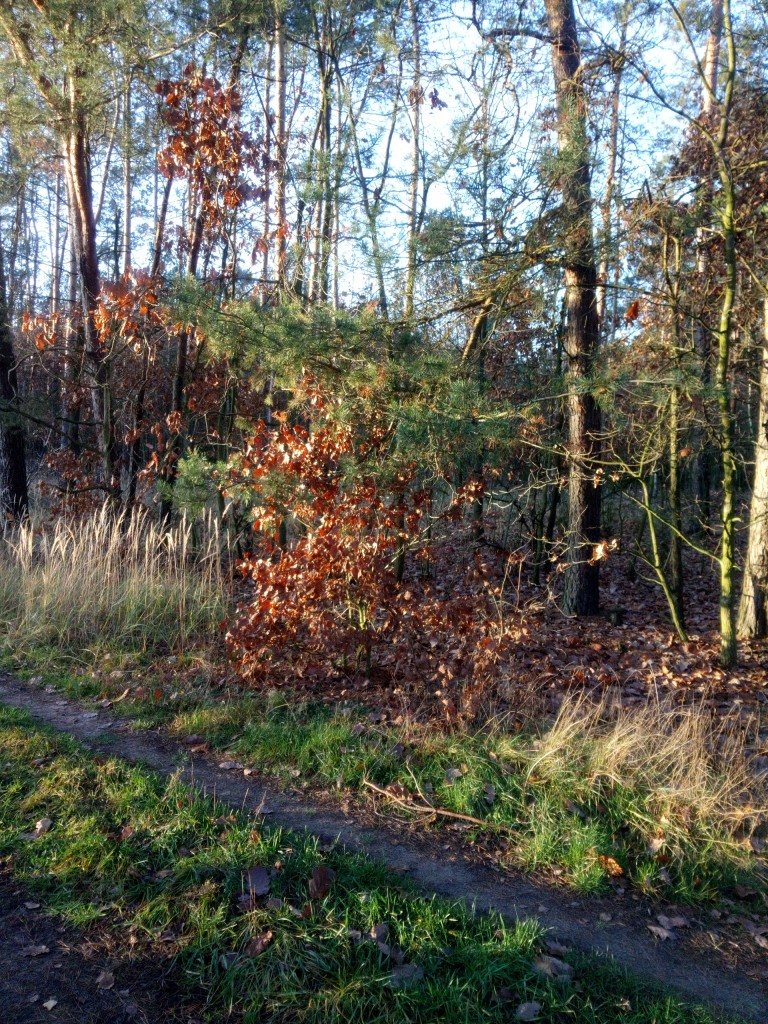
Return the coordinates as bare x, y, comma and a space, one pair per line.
172, 885
586, 793
597, 791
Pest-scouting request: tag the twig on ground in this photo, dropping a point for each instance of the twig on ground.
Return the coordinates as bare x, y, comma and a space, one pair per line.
421, 809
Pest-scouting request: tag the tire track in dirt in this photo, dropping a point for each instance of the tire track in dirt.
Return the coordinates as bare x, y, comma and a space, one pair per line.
571, 921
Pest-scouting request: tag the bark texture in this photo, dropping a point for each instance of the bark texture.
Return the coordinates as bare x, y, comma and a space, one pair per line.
581, 591
14, 497
753, 606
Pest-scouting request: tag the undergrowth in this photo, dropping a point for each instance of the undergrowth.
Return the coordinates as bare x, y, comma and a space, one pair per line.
108, 583
168, 870
654, 795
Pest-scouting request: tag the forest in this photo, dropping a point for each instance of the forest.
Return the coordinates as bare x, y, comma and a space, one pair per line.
384, 402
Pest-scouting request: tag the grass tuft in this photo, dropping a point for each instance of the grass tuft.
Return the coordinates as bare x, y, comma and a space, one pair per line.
659, 794
78, 590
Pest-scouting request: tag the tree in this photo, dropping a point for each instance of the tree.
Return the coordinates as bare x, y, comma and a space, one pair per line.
14, 498
752, 620
581, 594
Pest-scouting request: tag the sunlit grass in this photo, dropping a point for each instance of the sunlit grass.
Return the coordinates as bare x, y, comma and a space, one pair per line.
163, 867
654, 793
79, 590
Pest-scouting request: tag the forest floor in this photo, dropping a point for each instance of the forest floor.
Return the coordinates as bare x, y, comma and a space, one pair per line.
605, 779
706, 959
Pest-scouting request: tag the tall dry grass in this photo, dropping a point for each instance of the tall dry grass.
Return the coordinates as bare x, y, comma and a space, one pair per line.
110, 581
674, 770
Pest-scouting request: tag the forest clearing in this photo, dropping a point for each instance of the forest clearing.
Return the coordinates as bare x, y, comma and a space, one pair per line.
383, 511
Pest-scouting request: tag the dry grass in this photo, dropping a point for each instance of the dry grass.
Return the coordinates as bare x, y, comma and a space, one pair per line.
109, 581
694, 773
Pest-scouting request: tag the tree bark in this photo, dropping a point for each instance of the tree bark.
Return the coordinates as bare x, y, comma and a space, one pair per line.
581, 587
702, 336
752, 621
606, 246
281, 151
83, 221
416, 97
14, 495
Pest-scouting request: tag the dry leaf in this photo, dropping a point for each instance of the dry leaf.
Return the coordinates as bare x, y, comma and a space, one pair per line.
452, 774
405, 974
654, 845
489, 792
41, 827
258, 944
105, 980
35, 951
527, 1011
256, 881
50, 1003
573, 808
228, 766
671, 922
320, 882
551, 967
556, 948
661, 933
379, 932
610, 866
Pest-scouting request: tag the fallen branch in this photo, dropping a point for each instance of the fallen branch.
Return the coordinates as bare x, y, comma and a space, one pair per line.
428, 809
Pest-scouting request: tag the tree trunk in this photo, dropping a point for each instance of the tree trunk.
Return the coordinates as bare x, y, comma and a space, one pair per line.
581, 589
753, 608
14, 496
80, 198
127, 178
281, 147
606, 248
727, 205
702, 337
415, 97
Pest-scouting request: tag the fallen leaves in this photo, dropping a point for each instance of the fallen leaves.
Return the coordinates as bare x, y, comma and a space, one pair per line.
259, 943
528, 1011
404, 975
256, 882
611, 867
321, 881
552, 967
105, 980
49, 1004
35, 951
41, 827
672, 922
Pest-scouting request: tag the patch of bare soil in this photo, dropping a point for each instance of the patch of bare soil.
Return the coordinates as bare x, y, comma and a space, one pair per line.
53, 974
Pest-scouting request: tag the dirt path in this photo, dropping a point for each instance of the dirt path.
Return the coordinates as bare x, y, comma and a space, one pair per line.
591, 925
